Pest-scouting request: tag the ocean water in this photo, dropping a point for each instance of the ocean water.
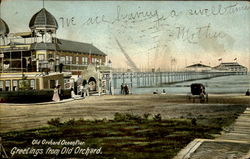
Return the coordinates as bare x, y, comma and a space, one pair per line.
219, 85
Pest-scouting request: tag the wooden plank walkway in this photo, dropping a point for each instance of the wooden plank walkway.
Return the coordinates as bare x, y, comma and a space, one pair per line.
234, 144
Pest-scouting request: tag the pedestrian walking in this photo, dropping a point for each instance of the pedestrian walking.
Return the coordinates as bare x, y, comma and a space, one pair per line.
122, 89
56, 97
86, 90
126, 89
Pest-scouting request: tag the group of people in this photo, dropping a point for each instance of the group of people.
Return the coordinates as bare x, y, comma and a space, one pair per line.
58, 93
83, 91
163, 92
124, 89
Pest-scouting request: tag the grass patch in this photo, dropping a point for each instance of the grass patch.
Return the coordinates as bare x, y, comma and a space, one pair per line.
126, 136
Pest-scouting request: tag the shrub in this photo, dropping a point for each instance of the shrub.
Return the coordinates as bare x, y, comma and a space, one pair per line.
119, 117
157, 117
193, 121
54, 122
71, 122
126, 117
146, 116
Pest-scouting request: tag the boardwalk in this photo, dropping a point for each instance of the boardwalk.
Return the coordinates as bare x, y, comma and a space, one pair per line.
234, 144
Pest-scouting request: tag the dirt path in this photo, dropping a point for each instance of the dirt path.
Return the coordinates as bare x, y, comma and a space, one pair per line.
26, 116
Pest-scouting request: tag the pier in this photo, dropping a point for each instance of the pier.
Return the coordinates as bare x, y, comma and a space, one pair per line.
150, 79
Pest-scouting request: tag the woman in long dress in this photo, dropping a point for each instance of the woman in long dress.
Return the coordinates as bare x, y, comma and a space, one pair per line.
73, 95
56, 97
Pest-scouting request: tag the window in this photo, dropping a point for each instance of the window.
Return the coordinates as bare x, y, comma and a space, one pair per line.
14, 85
50, 56
7, 85
24, 84
77, 60
41, 57
32, 84
70, 59
62, 60
67, 59
84, 60
57, 59
95, 60
1, 85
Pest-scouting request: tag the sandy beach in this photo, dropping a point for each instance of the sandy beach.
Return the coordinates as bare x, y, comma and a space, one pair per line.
28, 116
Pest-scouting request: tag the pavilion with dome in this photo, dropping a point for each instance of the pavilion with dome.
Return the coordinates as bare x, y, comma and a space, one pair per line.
43, 61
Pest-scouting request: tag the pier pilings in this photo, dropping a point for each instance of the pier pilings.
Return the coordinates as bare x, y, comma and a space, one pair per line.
151, 79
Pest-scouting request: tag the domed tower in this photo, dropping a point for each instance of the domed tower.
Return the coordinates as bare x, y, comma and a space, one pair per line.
43, 23
4, 29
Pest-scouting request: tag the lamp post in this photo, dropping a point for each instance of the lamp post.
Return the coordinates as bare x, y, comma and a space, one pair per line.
111, 88
99, 81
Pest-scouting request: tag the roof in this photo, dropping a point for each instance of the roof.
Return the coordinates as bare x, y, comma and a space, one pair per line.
197, 65
230, 63
43, 19
227, 64
68, 46
4, 29
24, 34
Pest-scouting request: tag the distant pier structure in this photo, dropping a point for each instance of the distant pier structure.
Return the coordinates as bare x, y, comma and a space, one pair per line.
232, 67
192, 72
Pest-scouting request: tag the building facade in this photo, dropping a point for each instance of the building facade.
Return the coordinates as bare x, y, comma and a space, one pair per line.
232, 67
39, 60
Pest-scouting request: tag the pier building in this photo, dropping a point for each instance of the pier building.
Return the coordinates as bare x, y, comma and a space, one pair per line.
232, 67
198, 68
40, 60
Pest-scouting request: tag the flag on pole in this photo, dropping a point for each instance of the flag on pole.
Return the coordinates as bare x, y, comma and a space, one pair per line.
220, 59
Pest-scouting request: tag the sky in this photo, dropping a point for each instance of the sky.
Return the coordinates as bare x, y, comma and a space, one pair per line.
155, 34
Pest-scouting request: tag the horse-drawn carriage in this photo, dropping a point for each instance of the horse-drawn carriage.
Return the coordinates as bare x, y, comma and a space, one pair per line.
198, 92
